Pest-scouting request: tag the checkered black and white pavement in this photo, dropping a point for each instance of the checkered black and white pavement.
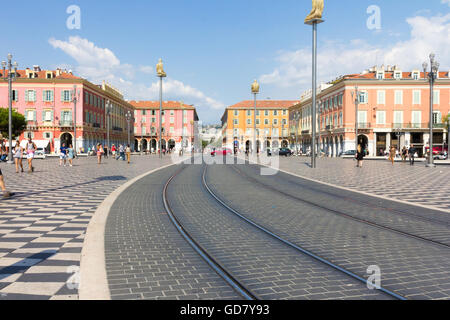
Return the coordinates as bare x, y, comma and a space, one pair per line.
42, 227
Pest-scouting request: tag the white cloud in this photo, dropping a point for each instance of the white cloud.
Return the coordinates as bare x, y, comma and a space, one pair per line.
97, 64
339, 58
446, 2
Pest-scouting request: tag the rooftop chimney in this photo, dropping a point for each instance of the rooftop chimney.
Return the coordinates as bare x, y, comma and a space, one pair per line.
36, 68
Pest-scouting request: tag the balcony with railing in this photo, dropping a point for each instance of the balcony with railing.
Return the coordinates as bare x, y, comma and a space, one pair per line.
65, 123
32, 125
364, 125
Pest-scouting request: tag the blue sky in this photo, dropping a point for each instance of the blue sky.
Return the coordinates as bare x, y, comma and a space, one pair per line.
214, 49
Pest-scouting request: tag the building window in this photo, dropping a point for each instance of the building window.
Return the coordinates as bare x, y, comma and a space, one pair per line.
172, 120
381, 117
249, 113
275, 113
436, 97
266, 113
48, 96
144, 112
257, 113
437, 117
172, 130
398, 119
381, 97
415, 75
47, 115
266, 121
15, 95
363, 97
236, 122
275, 122
398, 97
416, 97
284, 112
362, 117
30, 115
249, 121
236, 113
416, 118
397, 75
257, 122
66, 96
30, 96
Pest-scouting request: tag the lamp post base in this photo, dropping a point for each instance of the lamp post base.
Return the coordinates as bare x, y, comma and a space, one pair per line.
430, 165
10, 162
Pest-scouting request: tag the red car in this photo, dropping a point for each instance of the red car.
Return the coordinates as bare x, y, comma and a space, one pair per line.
223, 152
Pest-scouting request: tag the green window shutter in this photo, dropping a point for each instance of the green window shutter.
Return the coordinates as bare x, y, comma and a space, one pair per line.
43, 115
26, 95
52, 118
44, 94
34, 115
62, 97
26, 115
70, 116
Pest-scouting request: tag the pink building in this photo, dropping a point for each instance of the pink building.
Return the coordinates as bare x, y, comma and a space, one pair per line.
46, 100
393, 110
178, 124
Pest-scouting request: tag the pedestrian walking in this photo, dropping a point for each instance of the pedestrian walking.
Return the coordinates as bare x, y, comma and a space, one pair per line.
100, 152
412, 154
404, 153
392, 152
30, 149
113, 150
70, 154
128, 151
18, 156
360, 153
106, 149
62, 155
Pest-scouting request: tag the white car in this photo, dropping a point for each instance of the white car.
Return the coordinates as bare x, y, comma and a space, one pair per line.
40, 153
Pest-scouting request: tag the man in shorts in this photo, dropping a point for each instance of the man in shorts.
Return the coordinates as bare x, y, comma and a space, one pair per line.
62, 155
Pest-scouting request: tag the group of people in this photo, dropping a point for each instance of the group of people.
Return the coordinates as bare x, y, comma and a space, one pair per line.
66, 153
410, 153
121, 152
18, 154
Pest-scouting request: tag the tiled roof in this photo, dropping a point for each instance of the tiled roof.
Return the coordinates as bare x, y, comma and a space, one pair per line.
265, 104
43, 74
165, 105
390, 75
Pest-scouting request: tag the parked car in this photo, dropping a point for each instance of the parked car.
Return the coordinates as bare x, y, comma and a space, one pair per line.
281, 152
219, 152
348, 153
441, 156
40, 153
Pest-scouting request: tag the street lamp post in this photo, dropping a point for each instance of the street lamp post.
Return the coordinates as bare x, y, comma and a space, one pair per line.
297, 124
142, 135
128, 117
432, 76
11, 78
320, 128
161, 74
313, 19
255, 91
75, 98
356, 95
108, 113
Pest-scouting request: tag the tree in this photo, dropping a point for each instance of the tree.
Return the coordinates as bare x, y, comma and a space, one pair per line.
18, 123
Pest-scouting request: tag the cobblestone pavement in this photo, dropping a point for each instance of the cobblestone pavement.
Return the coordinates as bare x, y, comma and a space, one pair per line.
146, 257
42, 227
413, 268
269, 268
415, 184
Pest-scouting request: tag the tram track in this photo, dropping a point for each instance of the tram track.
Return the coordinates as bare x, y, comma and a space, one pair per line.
228, 277
340, 213
292, 245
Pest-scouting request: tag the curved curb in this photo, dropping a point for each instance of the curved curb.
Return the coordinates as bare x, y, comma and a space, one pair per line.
93, 277
429, 207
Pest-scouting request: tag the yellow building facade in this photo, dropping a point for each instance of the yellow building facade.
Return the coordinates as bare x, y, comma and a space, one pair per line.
272, 124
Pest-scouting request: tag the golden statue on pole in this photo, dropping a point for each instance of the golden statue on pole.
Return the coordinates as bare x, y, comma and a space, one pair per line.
316, 12
255, 87
160, 69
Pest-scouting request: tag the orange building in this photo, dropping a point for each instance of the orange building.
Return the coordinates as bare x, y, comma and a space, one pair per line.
393, 110
272, 124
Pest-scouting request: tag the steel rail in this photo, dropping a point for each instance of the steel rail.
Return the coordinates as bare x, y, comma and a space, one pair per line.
221, 271
292, 245
340, 213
